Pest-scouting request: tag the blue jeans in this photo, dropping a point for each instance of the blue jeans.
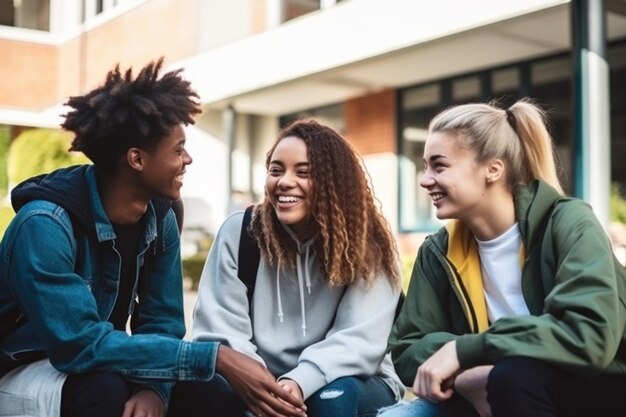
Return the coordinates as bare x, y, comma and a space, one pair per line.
454, 407
214, 398
344, 397
350, 397
520, 387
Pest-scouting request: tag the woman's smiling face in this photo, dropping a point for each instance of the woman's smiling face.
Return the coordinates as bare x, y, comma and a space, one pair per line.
453, 178
289, 185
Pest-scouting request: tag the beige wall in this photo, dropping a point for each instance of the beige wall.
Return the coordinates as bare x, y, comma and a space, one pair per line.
42, 75
28, 73
148, 30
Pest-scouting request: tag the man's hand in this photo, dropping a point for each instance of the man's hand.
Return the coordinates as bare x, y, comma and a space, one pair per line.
145, 403
472, 385
434, 377
257, 386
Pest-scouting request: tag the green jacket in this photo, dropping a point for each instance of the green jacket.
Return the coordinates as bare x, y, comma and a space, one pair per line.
573, 285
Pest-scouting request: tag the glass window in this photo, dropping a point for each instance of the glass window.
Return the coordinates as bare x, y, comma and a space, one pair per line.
505, 81
419, 105
93, 8
617, 68
551, 87
27, 14
466, 89
331, 115
297, 8
546, 80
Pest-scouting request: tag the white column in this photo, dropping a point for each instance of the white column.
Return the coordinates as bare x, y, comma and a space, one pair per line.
90, 9
65, 15
274, 13
327, 3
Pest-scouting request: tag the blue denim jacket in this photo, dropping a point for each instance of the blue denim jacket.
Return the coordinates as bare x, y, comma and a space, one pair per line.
67, 309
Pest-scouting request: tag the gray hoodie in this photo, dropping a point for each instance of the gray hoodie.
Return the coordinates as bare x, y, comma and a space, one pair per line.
300, 327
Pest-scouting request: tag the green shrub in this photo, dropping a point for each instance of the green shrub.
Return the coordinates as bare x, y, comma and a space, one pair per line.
618, 204
34, 152
192, 269
4, 155
37, 151
407, 268
6, 215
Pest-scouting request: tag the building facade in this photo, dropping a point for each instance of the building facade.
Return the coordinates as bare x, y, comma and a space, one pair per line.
377, 70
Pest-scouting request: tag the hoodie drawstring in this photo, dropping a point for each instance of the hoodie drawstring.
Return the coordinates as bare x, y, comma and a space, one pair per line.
280, 303
301, 288
306, 270
306, 280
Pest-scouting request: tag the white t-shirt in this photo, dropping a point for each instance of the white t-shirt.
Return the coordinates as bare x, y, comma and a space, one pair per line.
502, 275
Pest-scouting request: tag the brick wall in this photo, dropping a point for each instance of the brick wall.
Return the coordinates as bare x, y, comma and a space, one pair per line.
142, 35
28, 73
37, 76
370, 122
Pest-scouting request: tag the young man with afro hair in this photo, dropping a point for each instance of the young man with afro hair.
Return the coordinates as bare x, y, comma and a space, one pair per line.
91, 302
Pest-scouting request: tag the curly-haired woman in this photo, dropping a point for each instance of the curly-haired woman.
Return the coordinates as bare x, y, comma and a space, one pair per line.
327, 284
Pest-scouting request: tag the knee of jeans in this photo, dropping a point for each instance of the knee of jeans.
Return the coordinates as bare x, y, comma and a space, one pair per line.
115, 383
331, 394
326, 396
333, 397
108, 387
342, 387
400, 409
509, 375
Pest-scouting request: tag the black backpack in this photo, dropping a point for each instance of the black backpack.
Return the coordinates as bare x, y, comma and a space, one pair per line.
249, 257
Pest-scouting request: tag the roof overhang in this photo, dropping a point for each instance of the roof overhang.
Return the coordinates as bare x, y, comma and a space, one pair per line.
50, 118
363, 46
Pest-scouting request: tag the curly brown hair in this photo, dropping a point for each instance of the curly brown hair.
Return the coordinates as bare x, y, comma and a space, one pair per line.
126, 112
354, 238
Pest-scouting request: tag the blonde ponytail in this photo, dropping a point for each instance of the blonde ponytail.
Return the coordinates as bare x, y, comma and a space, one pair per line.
530, 126
518, 136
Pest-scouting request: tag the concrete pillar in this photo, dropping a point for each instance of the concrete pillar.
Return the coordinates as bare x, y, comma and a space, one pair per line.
228, 118
592, 142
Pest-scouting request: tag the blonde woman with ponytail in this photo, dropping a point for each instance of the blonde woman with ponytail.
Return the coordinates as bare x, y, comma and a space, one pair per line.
516, 307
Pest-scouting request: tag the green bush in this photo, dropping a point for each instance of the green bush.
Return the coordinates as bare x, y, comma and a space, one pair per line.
192, 269
6, 215
37, 151
4, 155
407, 268
618, 204
34, 152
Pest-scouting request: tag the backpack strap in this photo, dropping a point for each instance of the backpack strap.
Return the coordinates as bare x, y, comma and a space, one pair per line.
249, 255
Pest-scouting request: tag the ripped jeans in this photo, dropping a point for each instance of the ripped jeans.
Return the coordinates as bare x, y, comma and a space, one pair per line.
345, 397
350, 397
